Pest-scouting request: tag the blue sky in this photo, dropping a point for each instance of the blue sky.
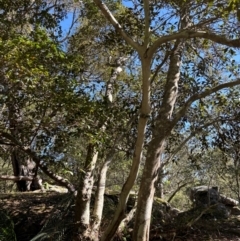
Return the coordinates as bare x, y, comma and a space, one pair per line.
66, 23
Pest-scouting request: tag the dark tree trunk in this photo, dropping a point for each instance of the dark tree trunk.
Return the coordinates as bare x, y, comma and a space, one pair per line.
28, 170
21, 185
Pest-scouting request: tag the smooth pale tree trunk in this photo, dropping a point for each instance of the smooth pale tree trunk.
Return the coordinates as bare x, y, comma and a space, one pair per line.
160, 133
99, 198
119, 214
101, 185
116, 70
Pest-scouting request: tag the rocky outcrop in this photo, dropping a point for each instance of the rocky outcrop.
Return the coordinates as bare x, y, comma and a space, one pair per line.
218, 205
203, 195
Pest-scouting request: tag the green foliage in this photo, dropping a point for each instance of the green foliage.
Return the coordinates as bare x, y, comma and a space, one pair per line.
181, 201
37, 80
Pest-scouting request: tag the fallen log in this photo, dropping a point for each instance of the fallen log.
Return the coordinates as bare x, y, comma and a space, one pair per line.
15, 178
228, 201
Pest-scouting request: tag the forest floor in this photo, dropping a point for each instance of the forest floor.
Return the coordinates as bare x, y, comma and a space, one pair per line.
30, 212
203, 230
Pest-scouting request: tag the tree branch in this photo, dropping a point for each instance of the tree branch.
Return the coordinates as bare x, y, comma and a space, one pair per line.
74, 21
160, 66
10, 138
190, 33
179, 148
108, 15
177, 190
198, 96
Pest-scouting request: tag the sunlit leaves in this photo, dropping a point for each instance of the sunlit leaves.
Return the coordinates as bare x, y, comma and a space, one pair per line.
39, 82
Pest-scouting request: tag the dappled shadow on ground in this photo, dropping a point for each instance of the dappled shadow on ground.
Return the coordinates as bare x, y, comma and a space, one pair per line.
31, 211
203, 229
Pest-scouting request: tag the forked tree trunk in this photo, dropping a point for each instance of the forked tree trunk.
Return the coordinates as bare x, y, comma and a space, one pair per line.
160, 133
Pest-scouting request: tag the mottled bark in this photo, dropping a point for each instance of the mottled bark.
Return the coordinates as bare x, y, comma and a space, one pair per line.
160, 132
82, 207
118, 64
